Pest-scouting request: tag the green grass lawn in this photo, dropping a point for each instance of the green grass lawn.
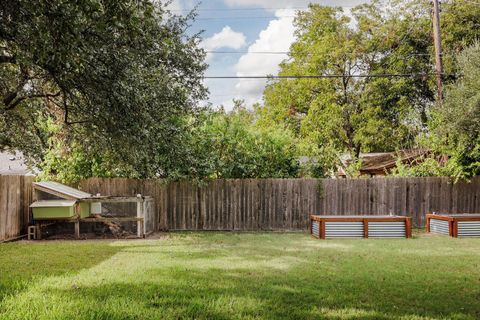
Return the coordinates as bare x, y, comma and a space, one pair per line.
241, 276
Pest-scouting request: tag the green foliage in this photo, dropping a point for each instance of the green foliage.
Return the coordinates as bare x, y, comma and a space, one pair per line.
353, 169
372, 114
25, 130
233, 146
455, 125
347, 114
109, 88
119, 77
177, 157
427, 167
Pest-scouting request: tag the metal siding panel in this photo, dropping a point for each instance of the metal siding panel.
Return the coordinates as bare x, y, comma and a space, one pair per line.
394, 229
439, 226
469, 228
344, 229
315, 228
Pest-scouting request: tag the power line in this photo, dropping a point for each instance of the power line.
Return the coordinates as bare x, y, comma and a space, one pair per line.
240, 18
326, 76
244, 52
241, 9
250, 9
287, 52
270, 17
283, 8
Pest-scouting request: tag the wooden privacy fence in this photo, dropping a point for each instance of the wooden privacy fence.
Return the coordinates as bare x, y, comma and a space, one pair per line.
263, 204
15, 199
285, 204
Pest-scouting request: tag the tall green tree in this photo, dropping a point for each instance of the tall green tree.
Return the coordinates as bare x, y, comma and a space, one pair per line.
359, 112
231, 145
455, 126
116, 79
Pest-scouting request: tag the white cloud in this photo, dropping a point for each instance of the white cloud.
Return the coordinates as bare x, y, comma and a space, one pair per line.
227, 38
180, 7
175, 5
277, 37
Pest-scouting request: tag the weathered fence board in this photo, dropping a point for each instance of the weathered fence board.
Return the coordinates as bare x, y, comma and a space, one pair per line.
285, 204
15, 199
264, 204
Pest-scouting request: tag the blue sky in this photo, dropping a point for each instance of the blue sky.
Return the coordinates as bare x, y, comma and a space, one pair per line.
245, 27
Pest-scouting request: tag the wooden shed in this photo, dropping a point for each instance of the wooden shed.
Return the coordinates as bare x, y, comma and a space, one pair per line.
381, 164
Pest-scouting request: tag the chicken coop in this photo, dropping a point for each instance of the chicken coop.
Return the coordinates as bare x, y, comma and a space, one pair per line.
55, 203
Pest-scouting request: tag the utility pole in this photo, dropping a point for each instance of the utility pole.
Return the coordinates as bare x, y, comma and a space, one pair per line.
438, 48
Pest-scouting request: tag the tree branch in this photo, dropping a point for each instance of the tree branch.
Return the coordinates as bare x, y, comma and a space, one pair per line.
77, 122
13, 103
65, 119
9, 98
7, 59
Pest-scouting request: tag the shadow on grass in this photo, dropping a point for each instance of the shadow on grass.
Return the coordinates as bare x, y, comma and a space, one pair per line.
219, 294
249, 277
216, 293
34, 261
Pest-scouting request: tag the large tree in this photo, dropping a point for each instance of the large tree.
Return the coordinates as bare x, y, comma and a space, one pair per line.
363, 110
111, 80
229, 144
455, 125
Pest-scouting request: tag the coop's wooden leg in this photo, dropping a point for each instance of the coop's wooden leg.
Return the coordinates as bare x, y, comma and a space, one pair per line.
144, 222
140, 222
39, 230
140, 231
77, 229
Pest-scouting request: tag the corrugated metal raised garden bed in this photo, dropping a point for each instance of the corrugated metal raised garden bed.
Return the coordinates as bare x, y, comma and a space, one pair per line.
454, 225
325, 227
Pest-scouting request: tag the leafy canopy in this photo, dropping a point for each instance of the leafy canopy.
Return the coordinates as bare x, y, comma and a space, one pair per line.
114, 77
455, 125
356, 114
233, 146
